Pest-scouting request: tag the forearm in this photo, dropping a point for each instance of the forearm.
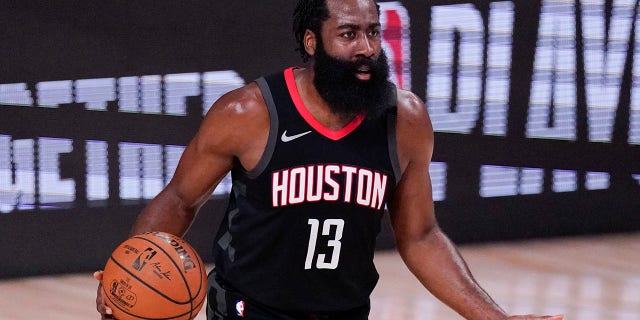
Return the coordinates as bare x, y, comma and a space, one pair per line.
441, 269
167, 213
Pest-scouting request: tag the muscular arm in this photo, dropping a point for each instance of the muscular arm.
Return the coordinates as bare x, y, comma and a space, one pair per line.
236, 127
425, 249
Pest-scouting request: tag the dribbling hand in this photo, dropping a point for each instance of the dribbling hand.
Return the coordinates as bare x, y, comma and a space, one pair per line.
105, 312
532, 317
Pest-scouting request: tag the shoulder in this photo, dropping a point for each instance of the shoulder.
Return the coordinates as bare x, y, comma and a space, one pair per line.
414, 130
411, 107
235, 120
240, 103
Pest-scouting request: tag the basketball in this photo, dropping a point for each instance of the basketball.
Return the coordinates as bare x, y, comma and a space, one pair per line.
154, 275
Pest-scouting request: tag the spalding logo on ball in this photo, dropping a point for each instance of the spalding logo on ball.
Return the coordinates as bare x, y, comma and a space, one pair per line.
155, 275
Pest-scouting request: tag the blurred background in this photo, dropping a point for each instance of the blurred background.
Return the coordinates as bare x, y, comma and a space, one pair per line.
535, 104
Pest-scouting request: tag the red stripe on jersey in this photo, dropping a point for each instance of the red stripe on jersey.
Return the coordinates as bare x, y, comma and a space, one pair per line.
308, 117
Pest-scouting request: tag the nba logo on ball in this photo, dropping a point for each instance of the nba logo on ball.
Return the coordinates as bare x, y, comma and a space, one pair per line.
240, 308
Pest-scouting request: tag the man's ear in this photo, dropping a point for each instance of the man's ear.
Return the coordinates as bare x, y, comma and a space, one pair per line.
310, 42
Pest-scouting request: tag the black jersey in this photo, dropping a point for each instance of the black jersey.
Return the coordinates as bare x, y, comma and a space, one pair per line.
300, 229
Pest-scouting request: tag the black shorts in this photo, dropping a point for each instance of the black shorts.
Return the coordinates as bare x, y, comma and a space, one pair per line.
224, 303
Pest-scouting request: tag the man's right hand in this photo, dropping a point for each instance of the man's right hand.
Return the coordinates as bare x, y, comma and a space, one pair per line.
105, 312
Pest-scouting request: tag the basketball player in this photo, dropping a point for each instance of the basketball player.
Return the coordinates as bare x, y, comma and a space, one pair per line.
316, 156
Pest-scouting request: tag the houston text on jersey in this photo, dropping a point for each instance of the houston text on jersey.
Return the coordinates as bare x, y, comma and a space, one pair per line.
328, 183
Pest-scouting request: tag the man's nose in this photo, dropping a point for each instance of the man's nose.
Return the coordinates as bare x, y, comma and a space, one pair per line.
365, 46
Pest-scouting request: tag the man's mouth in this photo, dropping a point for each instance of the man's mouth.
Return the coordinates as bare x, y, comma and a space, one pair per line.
363, 73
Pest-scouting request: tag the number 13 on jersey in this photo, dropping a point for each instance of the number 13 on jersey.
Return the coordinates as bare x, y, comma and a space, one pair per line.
334, 243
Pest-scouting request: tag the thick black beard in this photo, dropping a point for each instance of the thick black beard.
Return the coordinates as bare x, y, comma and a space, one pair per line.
336, 82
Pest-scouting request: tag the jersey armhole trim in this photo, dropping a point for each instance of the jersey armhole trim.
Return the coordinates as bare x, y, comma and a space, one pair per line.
393, 145
273, 130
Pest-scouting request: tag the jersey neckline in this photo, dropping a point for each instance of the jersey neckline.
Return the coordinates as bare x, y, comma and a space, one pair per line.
308, 117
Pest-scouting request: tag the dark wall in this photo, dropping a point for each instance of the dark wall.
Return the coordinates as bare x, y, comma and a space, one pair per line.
92, 39
45, 41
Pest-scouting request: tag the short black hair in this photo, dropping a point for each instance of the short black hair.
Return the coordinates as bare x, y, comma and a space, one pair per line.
308, 15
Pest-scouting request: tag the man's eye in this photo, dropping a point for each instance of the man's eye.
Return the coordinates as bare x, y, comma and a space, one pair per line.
348, 35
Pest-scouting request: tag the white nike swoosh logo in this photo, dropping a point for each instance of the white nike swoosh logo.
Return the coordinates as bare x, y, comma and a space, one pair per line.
286, 138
